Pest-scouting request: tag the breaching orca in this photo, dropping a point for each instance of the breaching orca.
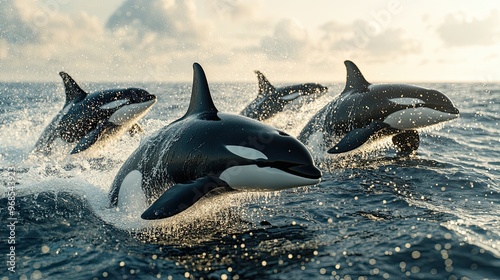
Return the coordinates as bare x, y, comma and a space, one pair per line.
205, 152
88, 118
271, 100
364, 110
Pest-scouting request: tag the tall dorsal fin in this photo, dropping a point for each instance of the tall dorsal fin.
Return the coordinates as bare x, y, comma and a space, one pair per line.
73, 90
264, 84
201, 100
355, 79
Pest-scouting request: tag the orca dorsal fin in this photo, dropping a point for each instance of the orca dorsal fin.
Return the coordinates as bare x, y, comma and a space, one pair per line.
201, 100
355, 80
73, 90
264, 84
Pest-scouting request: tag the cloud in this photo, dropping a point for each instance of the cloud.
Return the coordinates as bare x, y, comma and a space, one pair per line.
176, 21
237, 10
288, 41
392, 42
142, 40
26, 23
456, 31
366, 39
45, 41
14, 28
159, 39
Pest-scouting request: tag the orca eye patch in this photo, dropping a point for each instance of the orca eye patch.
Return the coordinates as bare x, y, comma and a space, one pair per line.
407, 101
114, 104
291, 96
246, 152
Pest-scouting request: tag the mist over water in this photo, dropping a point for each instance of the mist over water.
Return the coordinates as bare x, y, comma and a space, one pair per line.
373, 216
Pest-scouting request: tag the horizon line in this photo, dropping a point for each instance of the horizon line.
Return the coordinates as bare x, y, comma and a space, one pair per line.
242, 81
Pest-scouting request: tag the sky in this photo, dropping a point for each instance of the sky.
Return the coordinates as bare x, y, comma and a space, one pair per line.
289, 41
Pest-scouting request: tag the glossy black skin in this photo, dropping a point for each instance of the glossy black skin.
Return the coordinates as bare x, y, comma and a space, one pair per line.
194, 147
85, 115
270, 100
81, 113
362, 103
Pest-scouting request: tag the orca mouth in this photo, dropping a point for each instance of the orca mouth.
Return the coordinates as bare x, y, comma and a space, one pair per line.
450, 110
145, 102
150, 97
308, 171
443, 108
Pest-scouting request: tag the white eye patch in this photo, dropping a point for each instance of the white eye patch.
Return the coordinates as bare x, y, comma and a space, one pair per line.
113, 104
246, 152
407, 101
290, 96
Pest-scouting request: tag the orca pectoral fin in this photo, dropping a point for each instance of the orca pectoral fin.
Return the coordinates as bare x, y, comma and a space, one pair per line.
357, 137
135, 129
92, 137
182, 196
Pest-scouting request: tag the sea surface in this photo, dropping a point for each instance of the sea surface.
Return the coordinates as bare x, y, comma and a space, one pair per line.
435, 215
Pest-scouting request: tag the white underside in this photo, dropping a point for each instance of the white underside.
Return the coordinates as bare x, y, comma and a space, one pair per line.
131, 112
131, 197
254, 178
413, 118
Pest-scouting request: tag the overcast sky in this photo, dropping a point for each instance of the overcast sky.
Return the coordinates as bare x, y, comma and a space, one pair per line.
289, 41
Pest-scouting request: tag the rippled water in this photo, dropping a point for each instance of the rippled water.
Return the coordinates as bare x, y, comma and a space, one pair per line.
375, 216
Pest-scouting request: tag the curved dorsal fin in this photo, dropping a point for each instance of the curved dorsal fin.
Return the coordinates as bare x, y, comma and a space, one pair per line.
355, 80
73, 90
201, 100
264, 84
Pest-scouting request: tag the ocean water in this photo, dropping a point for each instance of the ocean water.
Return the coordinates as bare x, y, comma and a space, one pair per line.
374, 216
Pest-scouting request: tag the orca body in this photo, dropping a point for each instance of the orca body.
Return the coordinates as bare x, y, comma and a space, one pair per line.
364, 111
88, 118
271, 100
207, 152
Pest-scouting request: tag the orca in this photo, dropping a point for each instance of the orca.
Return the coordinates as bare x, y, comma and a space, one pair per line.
365, 111
207, 152
271, 100
89, 118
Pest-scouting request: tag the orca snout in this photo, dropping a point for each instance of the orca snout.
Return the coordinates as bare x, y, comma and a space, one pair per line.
450, 109
307, 171
437, 100
140, 95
